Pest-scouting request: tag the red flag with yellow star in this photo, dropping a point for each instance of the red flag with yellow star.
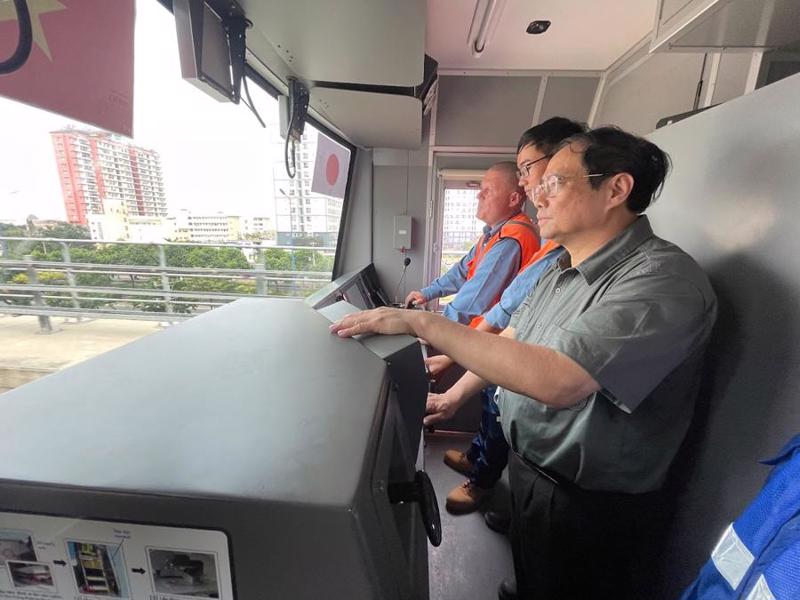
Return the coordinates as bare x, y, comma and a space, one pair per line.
81, 62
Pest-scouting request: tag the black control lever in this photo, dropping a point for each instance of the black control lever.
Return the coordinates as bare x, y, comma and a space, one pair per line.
420, 490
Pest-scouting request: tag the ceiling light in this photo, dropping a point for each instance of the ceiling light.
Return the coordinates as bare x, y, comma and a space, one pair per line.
484, 22
537, 27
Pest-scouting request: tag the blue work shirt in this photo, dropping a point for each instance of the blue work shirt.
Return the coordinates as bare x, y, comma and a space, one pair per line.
500, 314
476, 295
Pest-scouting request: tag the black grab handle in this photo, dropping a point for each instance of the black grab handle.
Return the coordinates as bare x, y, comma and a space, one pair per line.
420, 490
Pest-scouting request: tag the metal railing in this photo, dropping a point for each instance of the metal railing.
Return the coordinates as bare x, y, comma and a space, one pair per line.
39, 276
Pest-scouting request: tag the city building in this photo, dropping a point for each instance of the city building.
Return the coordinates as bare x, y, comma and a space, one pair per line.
257, 227
117, 225
303, 217
95, 167
460, 227
111, 225
150, 229
218, 228
42, 223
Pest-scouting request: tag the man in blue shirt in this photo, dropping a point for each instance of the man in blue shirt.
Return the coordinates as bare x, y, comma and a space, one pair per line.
499, 315
508, 241
487, 455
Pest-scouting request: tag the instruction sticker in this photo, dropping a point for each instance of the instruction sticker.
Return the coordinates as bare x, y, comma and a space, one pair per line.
54, 558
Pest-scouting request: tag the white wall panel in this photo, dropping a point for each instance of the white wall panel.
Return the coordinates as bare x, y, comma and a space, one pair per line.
664, 84
731, 202
484, 111
569, 97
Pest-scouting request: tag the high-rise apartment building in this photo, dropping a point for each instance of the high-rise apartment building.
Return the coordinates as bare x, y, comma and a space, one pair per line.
95, 166
304, 217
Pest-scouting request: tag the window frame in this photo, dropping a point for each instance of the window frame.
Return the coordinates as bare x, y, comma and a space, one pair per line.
270, 89
338, 259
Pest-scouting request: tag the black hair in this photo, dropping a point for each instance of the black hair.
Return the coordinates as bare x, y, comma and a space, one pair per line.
548, 135
609, 151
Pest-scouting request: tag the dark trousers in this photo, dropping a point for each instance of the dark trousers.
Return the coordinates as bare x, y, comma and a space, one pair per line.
489, 449
570, 543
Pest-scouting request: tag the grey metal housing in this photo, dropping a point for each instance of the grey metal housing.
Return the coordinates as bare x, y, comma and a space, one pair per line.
252, 419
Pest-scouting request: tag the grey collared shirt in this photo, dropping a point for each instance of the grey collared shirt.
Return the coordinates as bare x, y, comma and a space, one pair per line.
636, 315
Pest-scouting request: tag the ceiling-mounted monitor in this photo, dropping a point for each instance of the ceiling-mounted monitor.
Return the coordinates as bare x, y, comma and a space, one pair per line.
211, 44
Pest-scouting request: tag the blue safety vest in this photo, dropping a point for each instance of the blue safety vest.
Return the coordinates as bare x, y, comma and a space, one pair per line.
758, 556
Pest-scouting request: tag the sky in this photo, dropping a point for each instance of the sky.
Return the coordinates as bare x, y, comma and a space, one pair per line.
215, 156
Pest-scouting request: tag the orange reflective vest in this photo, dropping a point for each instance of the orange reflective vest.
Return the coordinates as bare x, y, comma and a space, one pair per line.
545, 249
520, 228
536, 256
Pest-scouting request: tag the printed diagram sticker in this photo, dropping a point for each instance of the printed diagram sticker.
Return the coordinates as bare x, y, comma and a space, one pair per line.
183, 573
99, 569
59, 558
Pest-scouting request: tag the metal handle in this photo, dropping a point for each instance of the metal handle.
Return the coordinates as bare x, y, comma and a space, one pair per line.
420, 490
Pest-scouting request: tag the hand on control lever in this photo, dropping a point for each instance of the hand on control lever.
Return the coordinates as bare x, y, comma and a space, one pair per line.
439, 408
438, 364
415, 298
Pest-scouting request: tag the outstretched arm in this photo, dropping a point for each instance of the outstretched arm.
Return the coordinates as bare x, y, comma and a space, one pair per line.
441, 362
450, 282
535, 371
478, 294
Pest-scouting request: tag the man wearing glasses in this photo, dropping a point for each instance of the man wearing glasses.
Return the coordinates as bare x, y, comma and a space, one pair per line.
487, 456
598, 369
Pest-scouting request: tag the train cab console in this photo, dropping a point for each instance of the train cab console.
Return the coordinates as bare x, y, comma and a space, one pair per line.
245, 453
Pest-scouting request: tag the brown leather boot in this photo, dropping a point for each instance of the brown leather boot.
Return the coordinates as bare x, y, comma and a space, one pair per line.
458, 461
466, 497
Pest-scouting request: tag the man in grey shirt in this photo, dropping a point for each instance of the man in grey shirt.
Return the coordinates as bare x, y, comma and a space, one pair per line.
598, 369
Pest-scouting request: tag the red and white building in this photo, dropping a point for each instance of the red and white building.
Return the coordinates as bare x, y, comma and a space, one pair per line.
95, 166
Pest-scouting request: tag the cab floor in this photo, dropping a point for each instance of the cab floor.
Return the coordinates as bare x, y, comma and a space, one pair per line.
472, 559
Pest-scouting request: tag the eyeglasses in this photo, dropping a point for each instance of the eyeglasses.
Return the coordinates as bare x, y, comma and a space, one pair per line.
548, 188
525, 169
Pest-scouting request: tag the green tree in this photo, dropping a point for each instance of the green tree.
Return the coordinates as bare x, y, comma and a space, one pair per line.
14, 249
65, 299
276, 259
304, 260
11, 230
324, 263
206, 257
45, 278
42, 250
50, 252
64, 230
128, 254
195, 284
140, 255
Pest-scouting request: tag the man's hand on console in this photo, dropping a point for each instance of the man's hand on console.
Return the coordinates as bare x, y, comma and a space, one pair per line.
440, 407
388, 321
438, 364
415, 298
